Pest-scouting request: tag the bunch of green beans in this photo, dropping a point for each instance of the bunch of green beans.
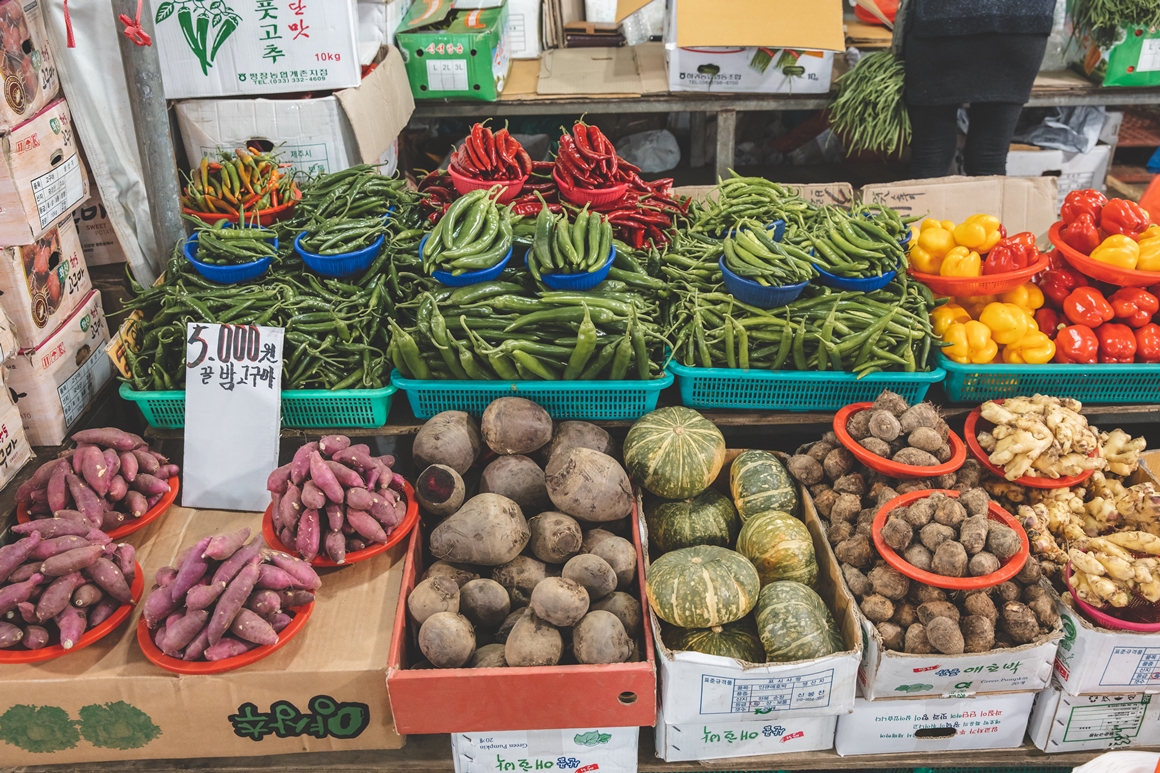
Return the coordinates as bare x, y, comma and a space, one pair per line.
869, 113
1103, 19
738, 198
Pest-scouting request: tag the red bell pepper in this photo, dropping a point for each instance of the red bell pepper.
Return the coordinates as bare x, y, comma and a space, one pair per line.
1087, 306
1011, 254
1080, 202
1076, 344
1148, 343
1134, 306
1049, 321
1121, 216
1117, 343
1057, 284
1081, 234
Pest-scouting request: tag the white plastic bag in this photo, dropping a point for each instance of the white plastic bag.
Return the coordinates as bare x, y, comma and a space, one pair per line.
652, 151
1122, 762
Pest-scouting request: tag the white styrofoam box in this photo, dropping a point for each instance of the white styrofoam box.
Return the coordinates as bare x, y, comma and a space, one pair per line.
715, 740
607, 749
600, 11
15, 450
377, 22
261, 47
1069, 723
98, 238
524, 28
42, 283
993, 721
1074, 170
1100, 661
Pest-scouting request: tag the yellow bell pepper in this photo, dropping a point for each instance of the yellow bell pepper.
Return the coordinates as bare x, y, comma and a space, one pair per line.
1007, 322
1035, 348
1149, 252
1026, 296
1151, 232
961, 261
979, 232
970, 342
934, 241
974, 304
946, 315
1118, 250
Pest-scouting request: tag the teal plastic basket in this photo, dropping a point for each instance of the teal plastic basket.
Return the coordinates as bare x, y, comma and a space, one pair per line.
1128, 383
793, 390
588, 400
301, 408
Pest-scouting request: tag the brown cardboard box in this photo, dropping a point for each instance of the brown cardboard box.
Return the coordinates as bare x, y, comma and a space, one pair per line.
15, 452
41, 284
778, 24
27, 69
270, 707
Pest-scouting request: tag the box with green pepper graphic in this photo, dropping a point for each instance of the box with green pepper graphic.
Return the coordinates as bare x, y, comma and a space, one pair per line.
455, 54
1118, 56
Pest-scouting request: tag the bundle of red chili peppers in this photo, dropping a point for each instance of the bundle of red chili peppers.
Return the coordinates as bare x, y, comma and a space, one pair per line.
488, 156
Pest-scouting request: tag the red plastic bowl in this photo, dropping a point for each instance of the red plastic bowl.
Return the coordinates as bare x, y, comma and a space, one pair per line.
1104, 272
91, 636
1103, 618
466, 185
970, 429
595, 196
996, 513
159, 658
322, 562
990, 284
265, 216
887, 466
136, 525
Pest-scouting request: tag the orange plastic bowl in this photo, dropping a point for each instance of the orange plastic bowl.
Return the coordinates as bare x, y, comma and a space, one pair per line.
159, 658
322, 562
971, 430
265, 216
990, 284
1104, 272
151, 515
887, 466
91, 636
1008, 570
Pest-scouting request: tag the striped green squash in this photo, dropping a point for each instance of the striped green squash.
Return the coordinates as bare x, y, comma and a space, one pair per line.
733, 640
706, 519
760, 482
674, 452
780, 546
702, 586
793, 623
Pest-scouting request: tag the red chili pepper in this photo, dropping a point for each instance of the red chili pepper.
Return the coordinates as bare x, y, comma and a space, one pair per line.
1121, 216
565, 176
523, 161
1081, 234
1134, 306
1057, 284
489, 145
1117, 343
583, 144
1082, 202
1148, 343
477, 147
1011, 254
637, 237
1076, 344
1048, 321
1087, 306
543, 167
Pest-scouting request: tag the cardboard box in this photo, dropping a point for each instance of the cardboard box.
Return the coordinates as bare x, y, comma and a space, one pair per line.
462, 700
8, 345
283, 704
607, 749
469, 59
41, 284
27, 69
263, 47
15, 451
1070, 723
1073, 171
714, 740
377, 22
99, 240
625, 71
55, 382
934, 725
788, 24
42, 176
696, 687
1132, 60
321, 135
524, 28
1094, 660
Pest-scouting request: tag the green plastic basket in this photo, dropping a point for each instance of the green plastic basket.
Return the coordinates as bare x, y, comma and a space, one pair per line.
793, 390
590, 400
301, 408
1129, 383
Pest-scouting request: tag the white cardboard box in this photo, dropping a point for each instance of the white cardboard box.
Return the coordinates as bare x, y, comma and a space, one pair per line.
54, 383
15, 450
259, 47
1070, 723
931, 725
1073, 170
42, 283
98, 239
524, 28
1093, 660
707, 741
377, 22
606, 749
326, 134
26, 69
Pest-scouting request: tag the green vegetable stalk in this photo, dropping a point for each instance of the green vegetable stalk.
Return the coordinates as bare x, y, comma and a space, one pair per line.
869, 113
1101, 20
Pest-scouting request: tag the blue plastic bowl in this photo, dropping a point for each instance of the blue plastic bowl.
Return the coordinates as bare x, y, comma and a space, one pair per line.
469, 277
867, 285
227, 275
777, 226
748, 291
581, 281
340, 265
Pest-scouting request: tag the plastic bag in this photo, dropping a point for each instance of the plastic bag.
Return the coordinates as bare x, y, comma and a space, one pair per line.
652, 151
1122, 762
1075, 129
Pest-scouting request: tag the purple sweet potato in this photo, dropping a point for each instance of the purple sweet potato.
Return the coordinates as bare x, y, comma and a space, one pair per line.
279, 622
52, 527
71, 561
201, 596
40, 497
335, 516
57, 489
345, 475
112, 519
192, 569
10, 635
27, 611
98, 537
295, 598
129, 465
168, 471
248, 626
325, 479
126, 560
118, 488
72, 515
159, 637
278, 480
273, 578
146, 462
71, 622
50, 547
150, 485
332, 444
107, 575
86, 500
231, 601
265, 602
38, 480
164, 576
303, 573
57, 595
159, 604
357, 457
222, 546
181, 632
228, 648
94, 469
312, 496
290, 507
12, 556
372, 476
307, 540
232, 565
136, 504
300, 465
286, 537
366, 526
18, 592
35, 637
86, 595
335, 544
78, 457
196, 648
112, 461
109, 437
23, 572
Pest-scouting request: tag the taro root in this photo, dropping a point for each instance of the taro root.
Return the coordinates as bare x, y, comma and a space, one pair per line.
949, 512
1030, 573
858, 425
853, 483
1019, 622
934, 534
920, 512
950, 559
982, 564
838, 462
973, 533
915, 458
877, 608
944, 635
888, 582
876, 446
932, 609
859, 583
979, 604
1040, 602
976, 501
918, 556
978, 633
1003, 541
917, 417
806, 469
916, 641
840, 532
884, 426
890, 401
893, 637
920, 593
855, 551
845, 507
897, 533
1005, 591
905, 615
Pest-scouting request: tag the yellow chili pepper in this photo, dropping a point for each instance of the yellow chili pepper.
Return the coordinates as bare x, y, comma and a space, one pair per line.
933, 243
1035, 348
970, 342
979, 232
1026, 296
961, 261
1149, 252
1007, 322
1118, 250
974, 304
946, 315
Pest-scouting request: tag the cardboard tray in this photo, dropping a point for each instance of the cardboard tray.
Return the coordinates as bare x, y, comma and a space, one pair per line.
458, 700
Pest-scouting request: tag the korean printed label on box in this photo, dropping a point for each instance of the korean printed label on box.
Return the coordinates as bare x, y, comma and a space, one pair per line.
1097, 660
581, 750
710, 740
1063, 723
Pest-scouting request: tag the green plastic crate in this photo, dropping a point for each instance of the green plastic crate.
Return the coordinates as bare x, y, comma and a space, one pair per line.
1128, 383
301, 408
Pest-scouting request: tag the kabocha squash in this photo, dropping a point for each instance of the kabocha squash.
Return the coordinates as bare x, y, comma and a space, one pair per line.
732, 640
780, 546
794, 623
674, 452
706, 519
759, 483
702, 586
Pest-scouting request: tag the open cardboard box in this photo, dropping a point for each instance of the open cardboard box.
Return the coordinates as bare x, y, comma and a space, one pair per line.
322, 691
1071, 723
